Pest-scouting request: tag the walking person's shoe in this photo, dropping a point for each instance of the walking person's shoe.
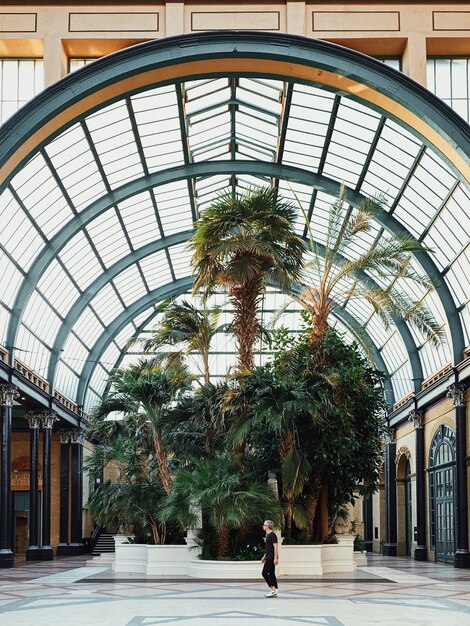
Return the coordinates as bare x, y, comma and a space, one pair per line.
271, 594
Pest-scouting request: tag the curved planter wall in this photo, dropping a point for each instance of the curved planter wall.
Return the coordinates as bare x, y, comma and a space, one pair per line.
294, 561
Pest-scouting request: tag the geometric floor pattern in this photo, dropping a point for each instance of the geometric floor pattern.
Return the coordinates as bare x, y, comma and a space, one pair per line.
389, 591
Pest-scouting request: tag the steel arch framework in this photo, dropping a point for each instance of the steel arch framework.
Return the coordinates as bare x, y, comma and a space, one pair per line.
142, 67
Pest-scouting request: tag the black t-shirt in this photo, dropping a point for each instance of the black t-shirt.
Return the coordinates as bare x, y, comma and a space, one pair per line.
271, 539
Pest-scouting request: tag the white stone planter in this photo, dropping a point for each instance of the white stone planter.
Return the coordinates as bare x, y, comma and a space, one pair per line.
167, 560
294, 561
199, 568
131, 557
360, 558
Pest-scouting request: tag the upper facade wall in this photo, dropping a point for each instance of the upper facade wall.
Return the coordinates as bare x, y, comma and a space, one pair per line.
56, 32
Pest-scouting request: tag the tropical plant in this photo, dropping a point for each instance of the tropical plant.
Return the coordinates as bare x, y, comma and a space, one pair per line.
148, 389
242, 242
334, 274
191, 326
133, 496
226, 497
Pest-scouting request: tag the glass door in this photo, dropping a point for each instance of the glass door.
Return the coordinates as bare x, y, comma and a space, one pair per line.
444, 486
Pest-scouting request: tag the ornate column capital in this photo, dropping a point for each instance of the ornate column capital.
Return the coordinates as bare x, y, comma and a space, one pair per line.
389, 436
417, 417
8, 393
457, 393
64, 436
47, 419
33, 419
77, 436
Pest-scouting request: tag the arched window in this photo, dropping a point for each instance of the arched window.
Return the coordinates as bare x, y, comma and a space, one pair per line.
441, 494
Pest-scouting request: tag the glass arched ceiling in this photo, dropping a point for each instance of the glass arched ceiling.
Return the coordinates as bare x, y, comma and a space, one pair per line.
104, 173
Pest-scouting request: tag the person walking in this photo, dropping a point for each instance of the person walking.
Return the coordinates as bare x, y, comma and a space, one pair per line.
270, 559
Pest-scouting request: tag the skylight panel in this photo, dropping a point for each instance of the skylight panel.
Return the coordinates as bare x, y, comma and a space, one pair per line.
63, 298
33, 353
88, 328
19, 235
180, 260
107, 304
458, 278
74, 354
130, 285
138, 215
156, 270
124, 335
11, 279
401, 381
81, 261
174, 207
75, 164
98, 378
393, 352
108, 237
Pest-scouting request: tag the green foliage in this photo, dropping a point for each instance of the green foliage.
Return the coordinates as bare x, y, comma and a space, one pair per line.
359, 544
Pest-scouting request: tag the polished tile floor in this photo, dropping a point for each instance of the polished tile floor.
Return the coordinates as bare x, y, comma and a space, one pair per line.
388, 591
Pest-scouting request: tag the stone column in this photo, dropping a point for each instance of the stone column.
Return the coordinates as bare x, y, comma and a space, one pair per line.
368, 523
390, 545
8, 393
462, 556
421, 552
64, 547
76, 523
33, 553
47, 422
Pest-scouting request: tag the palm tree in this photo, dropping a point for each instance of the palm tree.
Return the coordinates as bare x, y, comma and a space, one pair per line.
243, 242
280, 402
389, 260
149, 387
188, 325
224, 496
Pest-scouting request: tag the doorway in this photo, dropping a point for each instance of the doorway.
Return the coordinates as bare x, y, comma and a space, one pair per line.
408, 511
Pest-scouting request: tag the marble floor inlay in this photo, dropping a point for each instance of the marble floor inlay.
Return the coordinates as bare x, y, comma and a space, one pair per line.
388, 591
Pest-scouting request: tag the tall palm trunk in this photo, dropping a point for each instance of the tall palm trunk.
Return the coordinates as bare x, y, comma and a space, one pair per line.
287, 444
245, 299
222, 539
162, 462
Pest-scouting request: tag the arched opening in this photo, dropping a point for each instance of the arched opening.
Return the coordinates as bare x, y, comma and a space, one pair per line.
404, 503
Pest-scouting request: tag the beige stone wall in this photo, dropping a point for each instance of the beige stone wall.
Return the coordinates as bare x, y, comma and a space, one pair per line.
443, 412
59, 32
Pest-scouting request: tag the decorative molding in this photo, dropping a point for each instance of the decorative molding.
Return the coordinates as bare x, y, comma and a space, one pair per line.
457, 393
417, 417
47, 419
8, 393
403, 451
64, 436
114, 22
18, 22
359, 21
77, 436
236, 20
390, 436
33, 419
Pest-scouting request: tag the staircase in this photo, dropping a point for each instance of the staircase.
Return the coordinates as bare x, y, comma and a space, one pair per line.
103, 552
104, 545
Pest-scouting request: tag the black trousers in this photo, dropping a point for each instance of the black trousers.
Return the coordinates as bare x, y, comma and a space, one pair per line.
269, 573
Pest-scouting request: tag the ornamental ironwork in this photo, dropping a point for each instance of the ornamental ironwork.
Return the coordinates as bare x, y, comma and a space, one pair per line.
8, 393
457, 393
417, 417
